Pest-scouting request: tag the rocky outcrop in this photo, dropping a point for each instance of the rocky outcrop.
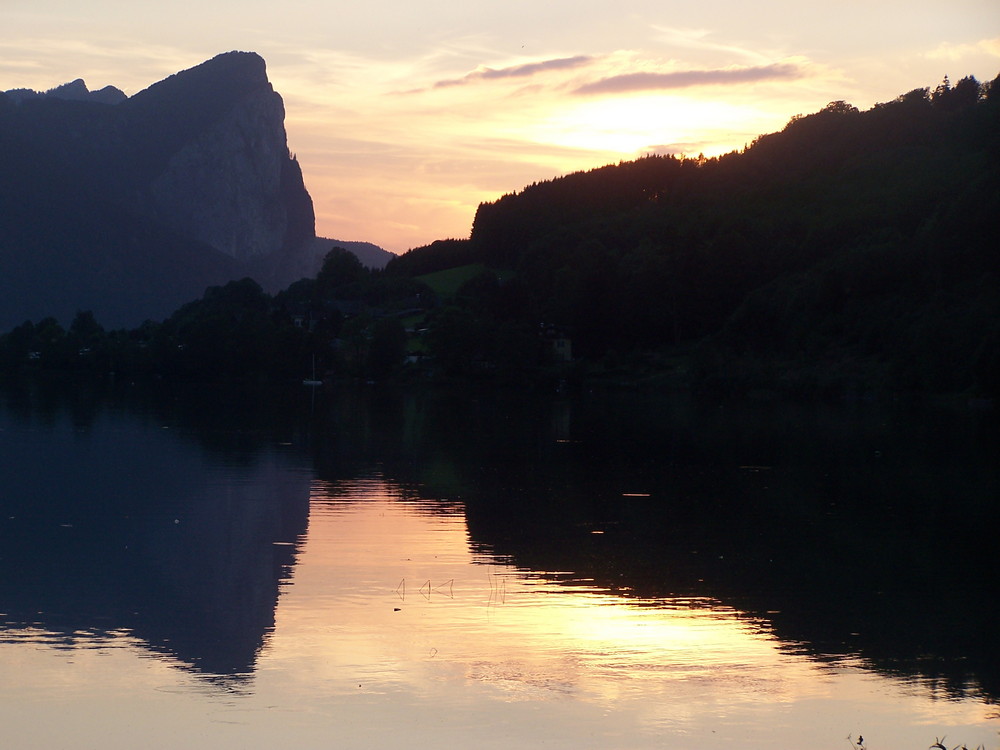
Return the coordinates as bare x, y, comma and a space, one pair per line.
232, 184
132, 206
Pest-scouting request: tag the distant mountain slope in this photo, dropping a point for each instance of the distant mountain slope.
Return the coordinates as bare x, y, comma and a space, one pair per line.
370, 255
132, 208
74, 91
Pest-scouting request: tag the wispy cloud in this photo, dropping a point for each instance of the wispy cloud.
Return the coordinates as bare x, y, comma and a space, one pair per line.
525, 70
949, 51
649, 81
699, 40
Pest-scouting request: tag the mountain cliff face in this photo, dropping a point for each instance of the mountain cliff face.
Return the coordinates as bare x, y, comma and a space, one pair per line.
132, 206
228, 180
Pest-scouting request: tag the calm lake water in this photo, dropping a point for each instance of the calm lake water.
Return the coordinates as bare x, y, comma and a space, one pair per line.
207, 568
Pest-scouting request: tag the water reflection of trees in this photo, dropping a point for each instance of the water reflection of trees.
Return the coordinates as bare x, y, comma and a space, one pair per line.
851, 530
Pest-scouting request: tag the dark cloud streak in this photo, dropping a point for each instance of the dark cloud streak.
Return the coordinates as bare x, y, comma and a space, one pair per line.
684, 78
516, 71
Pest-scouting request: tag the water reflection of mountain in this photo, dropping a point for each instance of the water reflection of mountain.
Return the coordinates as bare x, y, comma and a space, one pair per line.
115, 520
858, 530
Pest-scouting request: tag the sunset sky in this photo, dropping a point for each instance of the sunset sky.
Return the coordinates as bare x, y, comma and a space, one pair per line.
406, 115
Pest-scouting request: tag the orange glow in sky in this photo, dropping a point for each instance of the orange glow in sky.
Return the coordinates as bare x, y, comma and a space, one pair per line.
406, 116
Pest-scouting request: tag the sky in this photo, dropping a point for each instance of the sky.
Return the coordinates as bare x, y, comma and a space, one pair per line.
406, 115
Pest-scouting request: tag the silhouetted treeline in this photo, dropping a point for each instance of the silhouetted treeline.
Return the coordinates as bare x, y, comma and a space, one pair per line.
438, 256
341, 324
856, 249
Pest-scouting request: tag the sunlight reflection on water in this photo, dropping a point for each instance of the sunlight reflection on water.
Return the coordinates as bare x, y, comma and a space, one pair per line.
387, 597
391, 629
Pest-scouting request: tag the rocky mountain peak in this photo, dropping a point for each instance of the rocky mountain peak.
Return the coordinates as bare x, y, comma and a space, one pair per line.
186, 184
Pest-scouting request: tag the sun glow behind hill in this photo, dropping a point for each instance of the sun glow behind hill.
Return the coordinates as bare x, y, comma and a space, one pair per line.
450, 148
405, 119
651, 123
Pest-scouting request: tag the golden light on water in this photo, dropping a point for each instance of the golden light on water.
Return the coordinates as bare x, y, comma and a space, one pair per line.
393, 627
389, 600
405, 600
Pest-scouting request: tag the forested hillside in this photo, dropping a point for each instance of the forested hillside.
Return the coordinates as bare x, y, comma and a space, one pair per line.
850, 246
851, 254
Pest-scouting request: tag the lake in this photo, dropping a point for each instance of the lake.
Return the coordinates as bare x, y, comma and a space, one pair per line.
374, 568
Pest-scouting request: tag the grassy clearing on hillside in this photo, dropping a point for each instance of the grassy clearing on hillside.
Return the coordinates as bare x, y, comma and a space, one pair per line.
446, 283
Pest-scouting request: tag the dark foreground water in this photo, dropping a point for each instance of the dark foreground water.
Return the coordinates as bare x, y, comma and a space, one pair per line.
210, 568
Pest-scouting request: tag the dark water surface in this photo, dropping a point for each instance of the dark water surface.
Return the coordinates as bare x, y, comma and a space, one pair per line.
364, 568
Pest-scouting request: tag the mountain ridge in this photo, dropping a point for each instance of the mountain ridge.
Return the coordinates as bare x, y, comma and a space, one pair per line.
75, 90
191, 175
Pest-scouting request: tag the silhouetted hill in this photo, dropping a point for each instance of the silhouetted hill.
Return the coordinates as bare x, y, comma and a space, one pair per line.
132, 207
440, 255
370, 254
851, 250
